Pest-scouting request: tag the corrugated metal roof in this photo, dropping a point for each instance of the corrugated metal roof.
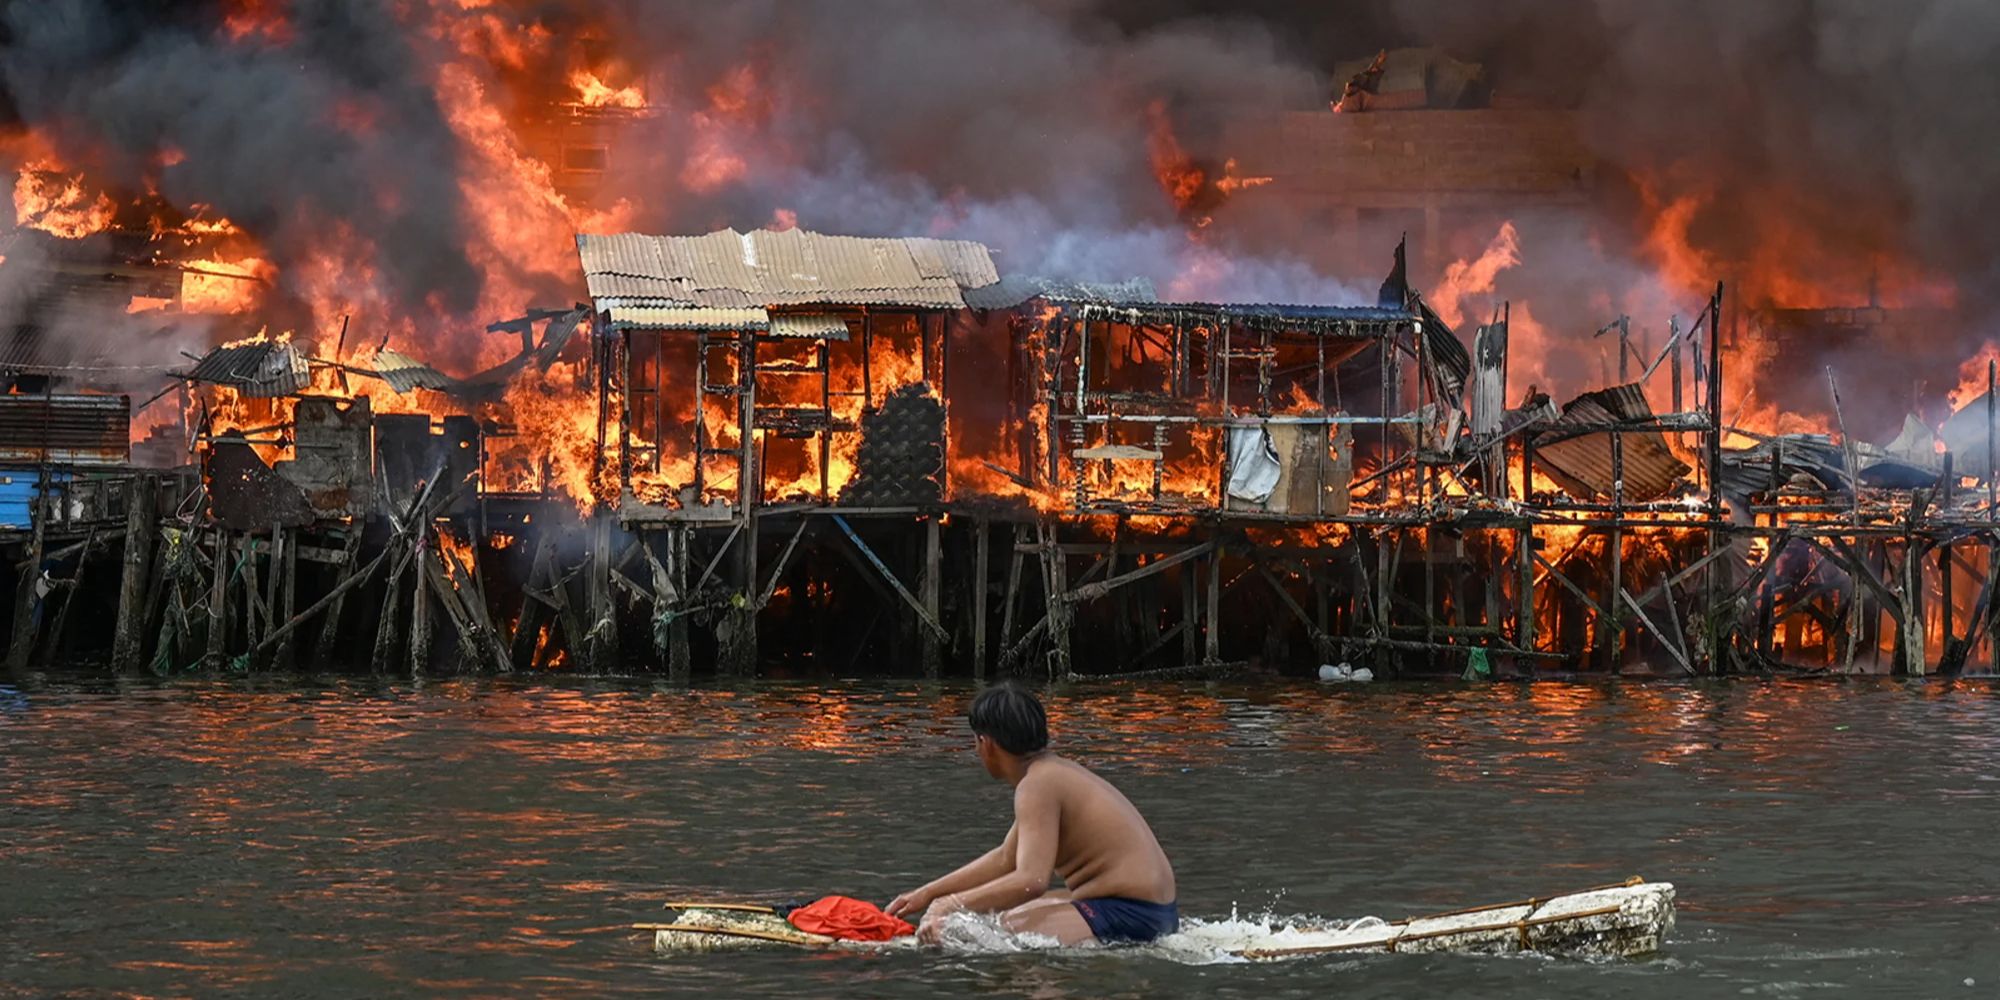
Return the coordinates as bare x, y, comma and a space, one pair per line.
809, 325
728, 269
1013, 289
260, 369
628, 317
407, 374
1583, 465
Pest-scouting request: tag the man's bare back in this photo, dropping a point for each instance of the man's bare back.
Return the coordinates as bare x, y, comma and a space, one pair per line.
1068, 823
1103, 845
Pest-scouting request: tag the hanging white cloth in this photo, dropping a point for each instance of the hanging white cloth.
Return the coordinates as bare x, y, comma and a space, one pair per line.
1253, 464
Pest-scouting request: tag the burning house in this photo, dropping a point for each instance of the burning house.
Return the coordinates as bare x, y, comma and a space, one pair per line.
424, 397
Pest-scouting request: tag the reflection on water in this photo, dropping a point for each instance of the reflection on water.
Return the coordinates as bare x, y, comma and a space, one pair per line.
487, 838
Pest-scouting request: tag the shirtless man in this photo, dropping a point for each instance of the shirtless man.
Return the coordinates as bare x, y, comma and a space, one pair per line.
1067, 822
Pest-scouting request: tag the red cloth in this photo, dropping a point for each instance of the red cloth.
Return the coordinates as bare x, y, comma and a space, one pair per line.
848, 919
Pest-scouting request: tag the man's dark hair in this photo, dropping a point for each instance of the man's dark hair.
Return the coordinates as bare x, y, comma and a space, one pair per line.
1008, 715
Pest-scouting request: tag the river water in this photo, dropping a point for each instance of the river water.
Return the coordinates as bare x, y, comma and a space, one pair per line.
348, 838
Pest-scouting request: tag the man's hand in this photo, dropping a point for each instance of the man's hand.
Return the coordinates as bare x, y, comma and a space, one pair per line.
931, 931
908, 904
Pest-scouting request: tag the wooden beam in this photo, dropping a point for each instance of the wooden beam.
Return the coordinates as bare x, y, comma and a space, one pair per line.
1093, 591
1672, 646
923, 617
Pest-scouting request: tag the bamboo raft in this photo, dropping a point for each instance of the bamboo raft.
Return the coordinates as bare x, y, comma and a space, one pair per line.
1628, 919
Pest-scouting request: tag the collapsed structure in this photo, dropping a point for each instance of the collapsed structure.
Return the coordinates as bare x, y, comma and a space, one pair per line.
793, 451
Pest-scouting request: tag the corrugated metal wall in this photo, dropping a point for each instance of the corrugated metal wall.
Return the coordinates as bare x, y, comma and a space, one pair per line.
66, 430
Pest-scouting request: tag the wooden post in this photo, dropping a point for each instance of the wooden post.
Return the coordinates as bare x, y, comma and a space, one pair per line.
736, 636
1911, 637
287, 598
1212, 631
1190, 618
1614, 630
329, 632
1017, 561
387, 631
128, 645
680, 659
275, 568
72, 587
421, 628
928, 590
218, 602
601, 644
1524, 572
981, 530
1056, 574
22, 644
534, 613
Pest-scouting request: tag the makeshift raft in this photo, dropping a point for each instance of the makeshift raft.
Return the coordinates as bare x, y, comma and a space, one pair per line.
1623, 920
1612, 921
708, 926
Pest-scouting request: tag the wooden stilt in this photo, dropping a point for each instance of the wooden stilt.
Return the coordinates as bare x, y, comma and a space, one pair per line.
1015, 567
1190, 618
680, 659
601, 644
128, 644
22, 644
387, 655
218, 601
1211, 654
534, 610
70, 589
929, 579
329, 632
421, 627
288, 585
977, 596
1055, 576
737, 633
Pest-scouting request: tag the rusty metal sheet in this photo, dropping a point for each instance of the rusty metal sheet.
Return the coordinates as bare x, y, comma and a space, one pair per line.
247, 495
1582, 465
331, 464
65, 429
264, 368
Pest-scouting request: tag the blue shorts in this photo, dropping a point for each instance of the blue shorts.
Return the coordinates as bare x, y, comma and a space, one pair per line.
1114, 919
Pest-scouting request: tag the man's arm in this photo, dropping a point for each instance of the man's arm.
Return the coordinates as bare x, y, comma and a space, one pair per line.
1037, 830
978, 871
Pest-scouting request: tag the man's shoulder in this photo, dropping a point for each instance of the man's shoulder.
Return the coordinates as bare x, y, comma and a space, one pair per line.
1051, 773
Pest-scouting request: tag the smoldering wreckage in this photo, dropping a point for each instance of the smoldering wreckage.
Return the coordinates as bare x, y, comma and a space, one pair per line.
784, 451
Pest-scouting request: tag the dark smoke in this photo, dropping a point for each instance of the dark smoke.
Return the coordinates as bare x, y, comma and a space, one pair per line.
336, 127
1023, 123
